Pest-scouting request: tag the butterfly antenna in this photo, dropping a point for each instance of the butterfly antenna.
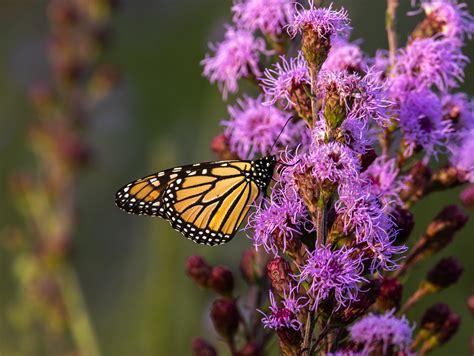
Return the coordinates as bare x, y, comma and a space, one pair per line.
282, 129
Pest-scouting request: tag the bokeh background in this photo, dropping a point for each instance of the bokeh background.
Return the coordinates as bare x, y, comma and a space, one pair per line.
163, 113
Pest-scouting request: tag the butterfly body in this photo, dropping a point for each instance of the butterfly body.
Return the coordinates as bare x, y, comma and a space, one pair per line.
206, 202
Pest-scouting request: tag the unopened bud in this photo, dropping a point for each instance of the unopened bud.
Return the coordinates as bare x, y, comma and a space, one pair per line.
467, 197
365, 299
434, 317
248, 266
202, 348
290, 341
445, 273
250, 349
404, 223
439, 233
198, 270
278, 270
367, 158
391, 291
225, 317
450, 327
443, 335
220, 146
221, 281
334, 108
470, 304
419, 177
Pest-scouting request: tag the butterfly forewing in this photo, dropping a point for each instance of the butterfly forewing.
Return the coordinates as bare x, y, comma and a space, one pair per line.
205, 202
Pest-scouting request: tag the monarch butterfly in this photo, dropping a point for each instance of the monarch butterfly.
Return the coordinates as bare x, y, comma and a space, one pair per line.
206, 202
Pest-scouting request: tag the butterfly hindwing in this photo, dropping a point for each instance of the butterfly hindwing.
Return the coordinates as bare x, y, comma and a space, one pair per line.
205, 202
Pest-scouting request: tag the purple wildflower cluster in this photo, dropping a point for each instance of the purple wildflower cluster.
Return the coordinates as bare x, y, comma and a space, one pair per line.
355, 137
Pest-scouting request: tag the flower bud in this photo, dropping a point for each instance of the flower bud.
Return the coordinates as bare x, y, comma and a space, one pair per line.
367, 158
419, 177
278, 270
202, 348
445, 273
248, 265
198, 270
334, 108
404, 223
467, 197
365, 299
434, 317
445, 333
301, 101
250, 349
470, 304
225, 317
290, 341
391, 291
432, 321
220, 146
221, 281
439, 233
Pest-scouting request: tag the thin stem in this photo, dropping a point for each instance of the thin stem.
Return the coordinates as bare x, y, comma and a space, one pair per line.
391, 17
314, 99
320, 238
80, 323
308, 331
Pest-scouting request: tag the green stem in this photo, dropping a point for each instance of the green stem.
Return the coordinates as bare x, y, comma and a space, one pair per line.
80, 323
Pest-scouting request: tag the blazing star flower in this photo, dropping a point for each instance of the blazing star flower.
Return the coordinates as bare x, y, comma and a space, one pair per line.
325, 22
268, 16
253, 127
335, 273
384, 330
454, 20
364, 98
459, 109
285, 316
425, 63
362, 213
422, 124
284, 215
383, 178
345, 56
234, 58
462, 155
334, 163
284, 78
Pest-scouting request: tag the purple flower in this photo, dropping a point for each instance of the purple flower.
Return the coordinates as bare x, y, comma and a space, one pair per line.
363, 214
462, 156
384, 330
234, 58
455, 21
284, 215
325, 22
334, 163
327, 163
268, 16
425, 63
459, 108
335, 273
253, 127
364, 97
383, 178
281, 81
345, 56
422, 124
285, 316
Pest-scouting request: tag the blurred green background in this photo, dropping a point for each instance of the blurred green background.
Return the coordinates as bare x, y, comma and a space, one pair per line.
163, 113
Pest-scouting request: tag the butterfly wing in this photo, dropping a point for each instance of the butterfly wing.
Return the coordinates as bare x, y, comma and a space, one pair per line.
205, 202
